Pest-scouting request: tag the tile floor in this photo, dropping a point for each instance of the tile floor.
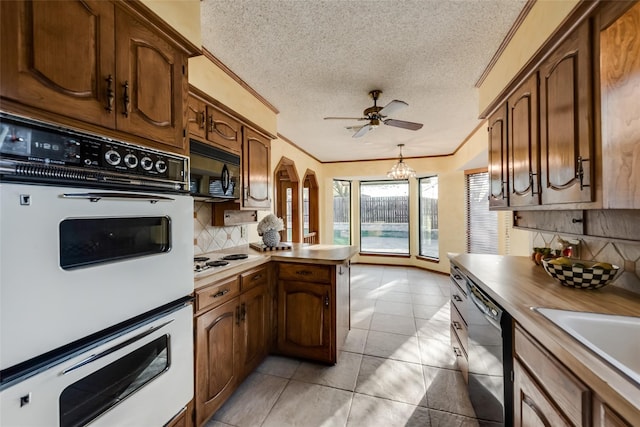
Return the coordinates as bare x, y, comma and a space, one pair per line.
396, 369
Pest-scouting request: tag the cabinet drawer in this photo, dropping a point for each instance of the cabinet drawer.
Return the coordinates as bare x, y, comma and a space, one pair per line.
568, 393
459, 326
305, 272
253, 278
217, 293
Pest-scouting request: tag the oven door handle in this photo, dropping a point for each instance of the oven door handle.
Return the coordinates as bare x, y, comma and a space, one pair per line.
115, 348
95, 197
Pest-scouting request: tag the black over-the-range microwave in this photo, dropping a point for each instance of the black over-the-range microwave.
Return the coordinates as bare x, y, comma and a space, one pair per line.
215, 173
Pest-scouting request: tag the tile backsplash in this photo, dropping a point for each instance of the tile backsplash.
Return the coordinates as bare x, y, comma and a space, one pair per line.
626, 255
207, 238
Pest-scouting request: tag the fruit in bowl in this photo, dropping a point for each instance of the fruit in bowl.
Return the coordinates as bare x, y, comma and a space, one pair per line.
580, 274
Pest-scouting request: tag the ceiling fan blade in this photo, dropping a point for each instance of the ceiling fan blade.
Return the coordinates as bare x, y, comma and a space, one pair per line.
392, 107
363, 130
402, 124
346, 118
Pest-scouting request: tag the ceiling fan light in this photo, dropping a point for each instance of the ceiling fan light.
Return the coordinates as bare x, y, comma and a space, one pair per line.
401, 170
374, 123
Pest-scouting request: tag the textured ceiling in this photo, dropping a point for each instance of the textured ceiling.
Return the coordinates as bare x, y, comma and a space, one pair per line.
313, 59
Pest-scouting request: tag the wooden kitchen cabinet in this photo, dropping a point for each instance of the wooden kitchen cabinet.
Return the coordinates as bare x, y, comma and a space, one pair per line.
566, 120
255, 309
548, 123
217, 363
311, 324
545, 392
523, 163
255, 170
232, 329
223, 130
304, 320
498, 169
107, 67
532, 406
620, 91
211, 125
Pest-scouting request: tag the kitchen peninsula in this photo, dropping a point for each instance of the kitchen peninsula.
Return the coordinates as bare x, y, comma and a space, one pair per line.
292, 302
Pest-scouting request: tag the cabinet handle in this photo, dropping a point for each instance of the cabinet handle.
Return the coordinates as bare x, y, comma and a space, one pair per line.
504, 194
125, 98
110, 94
457, 351
456, 325
210, 123
243, 312
326, 300
201, 119
531, 184
580, 173
304, 273
220, 293
256, 277
576, 220
457, 298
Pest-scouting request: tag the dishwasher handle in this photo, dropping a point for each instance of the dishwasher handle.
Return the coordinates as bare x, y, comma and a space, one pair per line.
488, 309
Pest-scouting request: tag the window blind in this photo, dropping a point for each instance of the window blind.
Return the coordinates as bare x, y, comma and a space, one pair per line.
482, 224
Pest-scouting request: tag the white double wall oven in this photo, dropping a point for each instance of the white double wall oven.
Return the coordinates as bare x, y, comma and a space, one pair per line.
96, 256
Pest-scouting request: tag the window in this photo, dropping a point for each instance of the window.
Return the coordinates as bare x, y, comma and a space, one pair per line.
482, 224
286, 205
341, 212
384, 217
310, 208
428, 190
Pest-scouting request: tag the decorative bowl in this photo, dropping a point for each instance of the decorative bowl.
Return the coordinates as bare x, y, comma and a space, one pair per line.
580, 275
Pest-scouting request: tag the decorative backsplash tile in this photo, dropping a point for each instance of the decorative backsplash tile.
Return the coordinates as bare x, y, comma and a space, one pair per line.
207, 238
625, 255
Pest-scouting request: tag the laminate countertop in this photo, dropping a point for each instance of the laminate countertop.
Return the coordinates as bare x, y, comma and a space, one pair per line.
517, 284
299, 252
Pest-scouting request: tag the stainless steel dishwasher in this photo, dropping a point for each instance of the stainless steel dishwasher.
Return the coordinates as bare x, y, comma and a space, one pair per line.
490, 357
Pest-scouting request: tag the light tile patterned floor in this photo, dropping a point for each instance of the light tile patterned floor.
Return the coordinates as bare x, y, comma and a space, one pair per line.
397, 368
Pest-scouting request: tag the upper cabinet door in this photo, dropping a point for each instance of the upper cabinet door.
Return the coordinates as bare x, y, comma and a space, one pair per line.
498, 184
151, 82
57, 56
223, 130
524, 184
255, 170
620, 90
566, 121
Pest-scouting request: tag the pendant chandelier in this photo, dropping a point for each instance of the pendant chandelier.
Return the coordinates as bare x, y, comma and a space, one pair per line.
401, 170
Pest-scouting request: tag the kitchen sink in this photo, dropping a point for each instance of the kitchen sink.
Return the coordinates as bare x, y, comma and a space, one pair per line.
614, 338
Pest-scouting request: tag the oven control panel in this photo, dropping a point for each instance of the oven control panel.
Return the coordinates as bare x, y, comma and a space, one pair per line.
35, 149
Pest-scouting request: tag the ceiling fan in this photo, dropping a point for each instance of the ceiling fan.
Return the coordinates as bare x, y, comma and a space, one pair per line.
375, 115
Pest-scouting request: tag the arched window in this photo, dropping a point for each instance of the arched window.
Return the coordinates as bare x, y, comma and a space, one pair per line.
310, 208
287, 204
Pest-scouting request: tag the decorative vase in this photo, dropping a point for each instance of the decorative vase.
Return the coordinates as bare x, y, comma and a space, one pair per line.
271, 238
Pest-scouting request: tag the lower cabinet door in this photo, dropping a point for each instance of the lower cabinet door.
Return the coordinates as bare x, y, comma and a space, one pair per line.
217, 368
254, 315
304, 320
532, 407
